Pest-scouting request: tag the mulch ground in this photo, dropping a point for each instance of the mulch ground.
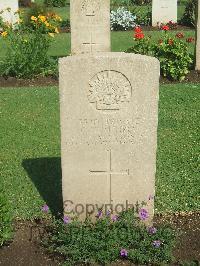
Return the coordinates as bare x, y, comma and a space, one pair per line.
26, 249
192, 77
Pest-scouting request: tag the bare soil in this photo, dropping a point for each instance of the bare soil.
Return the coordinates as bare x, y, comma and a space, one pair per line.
26, 248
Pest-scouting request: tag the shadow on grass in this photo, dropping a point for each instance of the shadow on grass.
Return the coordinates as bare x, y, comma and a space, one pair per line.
45, 173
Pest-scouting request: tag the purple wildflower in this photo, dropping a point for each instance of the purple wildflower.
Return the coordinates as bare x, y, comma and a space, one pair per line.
143, 214
66, 219
45, 208
108, 213
123, 253
99, 214
152, 230
156, 243
115, 218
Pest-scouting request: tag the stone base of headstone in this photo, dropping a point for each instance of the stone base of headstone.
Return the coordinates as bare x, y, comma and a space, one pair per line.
109, 116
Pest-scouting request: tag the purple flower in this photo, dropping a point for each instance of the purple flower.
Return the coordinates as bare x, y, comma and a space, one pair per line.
123, 253
143, 214
99, 214
66, 219
108, 213
115, 218
152, 230
45, 208
156, 243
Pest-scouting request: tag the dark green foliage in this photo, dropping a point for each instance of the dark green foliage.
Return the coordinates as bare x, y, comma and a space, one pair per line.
172, 52
143, 16
102, 241
189, 15
56, 3
5, 219
27, 56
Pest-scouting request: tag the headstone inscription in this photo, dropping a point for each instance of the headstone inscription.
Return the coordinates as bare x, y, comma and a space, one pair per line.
164, 11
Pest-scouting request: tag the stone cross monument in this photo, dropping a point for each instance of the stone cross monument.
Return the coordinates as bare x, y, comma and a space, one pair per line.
109, 115
90, 26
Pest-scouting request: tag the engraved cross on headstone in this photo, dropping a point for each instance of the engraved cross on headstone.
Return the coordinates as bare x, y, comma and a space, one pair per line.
91, 43
110, 172
90, 16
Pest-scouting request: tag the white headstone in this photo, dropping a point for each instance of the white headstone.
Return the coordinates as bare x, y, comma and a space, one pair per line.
109, 115
9, 7
164, 11
90, 26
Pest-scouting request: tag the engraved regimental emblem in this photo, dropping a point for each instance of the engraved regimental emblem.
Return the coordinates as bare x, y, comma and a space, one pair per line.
90, 8
109, 90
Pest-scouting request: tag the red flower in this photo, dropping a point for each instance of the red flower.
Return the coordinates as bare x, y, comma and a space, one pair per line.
190, 39
170, 42
180, 35
165, 28
138, 30
139, 35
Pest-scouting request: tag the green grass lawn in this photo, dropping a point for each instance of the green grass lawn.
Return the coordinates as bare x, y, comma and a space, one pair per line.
30, 149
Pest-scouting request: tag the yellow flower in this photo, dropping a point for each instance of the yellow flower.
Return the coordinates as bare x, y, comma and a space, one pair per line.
56, 30
42, 18
47, 24
4, 34
33, 18
51, 34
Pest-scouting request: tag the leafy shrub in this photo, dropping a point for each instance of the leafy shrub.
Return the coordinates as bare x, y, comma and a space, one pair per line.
122, 19
27, 47
174, 57
56, 3
172, 52
189, 15
6, 230
110, 238
143, 17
